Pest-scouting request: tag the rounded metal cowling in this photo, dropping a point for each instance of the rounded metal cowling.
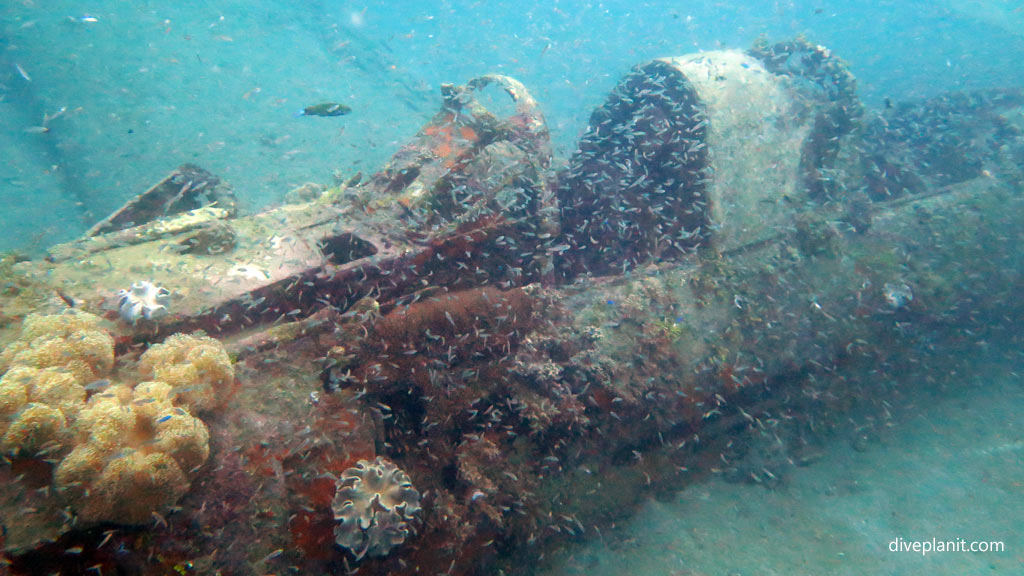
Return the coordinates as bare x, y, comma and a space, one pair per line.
635, 187
716, 148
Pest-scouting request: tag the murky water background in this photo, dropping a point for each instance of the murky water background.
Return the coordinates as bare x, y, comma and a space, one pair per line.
145, 87
100, 100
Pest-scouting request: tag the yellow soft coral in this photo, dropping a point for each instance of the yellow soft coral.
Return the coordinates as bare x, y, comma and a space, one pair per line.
36, 410
36, 427
131, 488
59, 325
74, 341
60, 389
13, 394
42, 388
127, 451
197, 367
137, 454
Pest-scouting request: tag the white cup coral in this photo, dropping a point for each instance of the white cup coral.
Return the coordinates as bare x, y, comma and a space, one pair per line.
143, 300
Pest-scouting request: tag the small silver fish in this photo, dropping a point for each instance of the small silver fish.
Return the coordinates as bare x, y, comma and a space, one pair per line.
97, 385
22, 73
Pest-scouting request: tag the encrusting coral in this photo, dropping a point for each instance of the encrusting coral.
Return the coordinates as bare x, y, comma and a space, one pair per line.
375, 505
121, 452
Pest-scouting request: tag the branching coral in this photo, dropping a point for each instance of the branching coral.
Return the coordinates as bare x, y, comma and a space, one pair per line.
197, 367
375, 507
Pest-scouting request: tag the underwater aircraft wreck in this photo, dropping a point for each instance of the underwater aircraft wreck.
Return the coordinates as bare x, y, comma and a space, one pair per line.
479, 353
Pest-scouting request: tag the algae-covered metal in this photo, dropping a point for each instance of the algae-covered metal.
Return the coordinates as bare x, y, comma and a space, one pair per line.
737, 253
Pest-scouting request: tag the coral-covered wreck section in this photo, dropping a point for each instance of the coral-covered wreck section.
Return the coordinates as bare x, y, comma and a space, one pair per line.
92, 438
470, 359
376, 508
136, 454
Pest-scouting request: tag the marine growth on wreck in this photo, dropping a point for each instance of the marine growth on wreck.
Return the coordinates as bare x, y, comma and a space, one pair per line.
481, 354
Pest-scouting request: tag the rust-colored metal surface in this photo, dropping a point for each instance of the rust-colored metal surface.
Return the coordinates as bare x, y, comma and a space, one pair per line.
524, 345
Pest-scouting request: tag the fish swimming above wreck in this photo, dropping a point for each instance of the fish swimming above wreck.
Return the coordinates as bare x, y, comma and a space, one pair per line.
480, 354
325, 109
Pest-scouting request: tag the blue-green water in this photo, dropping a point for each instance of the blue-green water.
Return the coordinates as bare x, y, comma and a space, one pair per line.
147, 86
98, 101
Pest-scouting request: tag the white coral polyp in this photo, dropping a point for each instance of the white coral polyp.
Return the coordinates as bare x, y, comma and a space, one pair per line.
375, 506
143, 300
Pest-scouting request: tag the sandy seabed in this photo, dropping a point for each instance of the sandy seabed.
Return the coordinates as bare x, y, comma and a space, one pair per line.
952, 467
